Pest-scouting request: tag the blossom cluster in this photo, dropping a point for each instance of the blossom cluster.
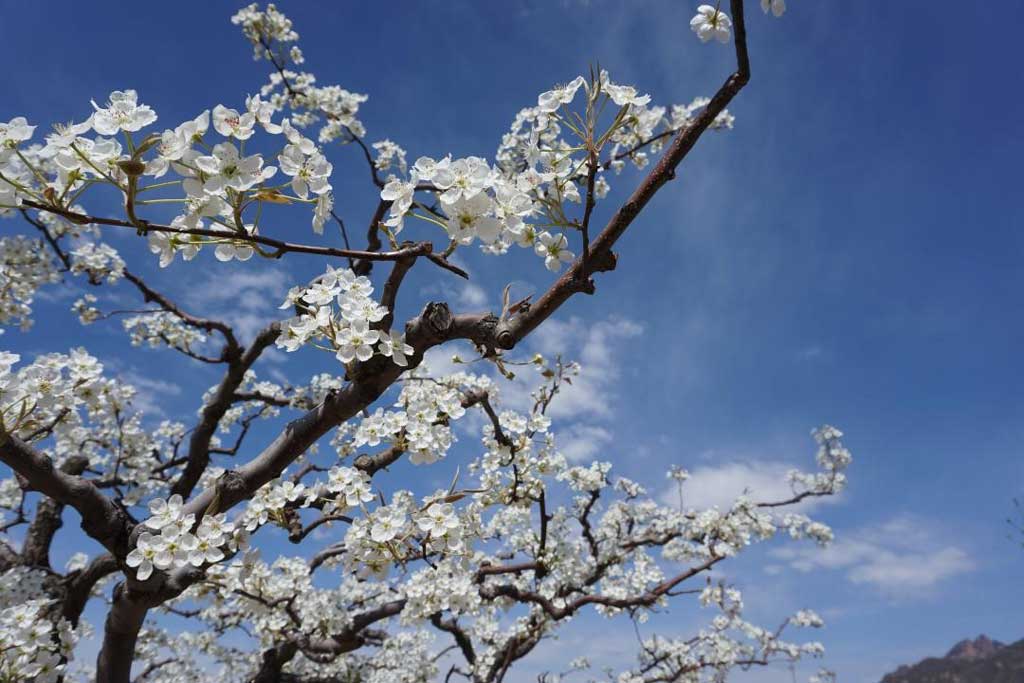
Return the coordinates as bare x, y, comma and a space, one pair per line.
67, 399
546, 139
46, 389
256, 593
217, 181
351, 487
271, 500
445, 587
421, 425
274, 39
478, 204
159, 328
99, 261
401, 531
337, 312
172, 657
30, 652
37, 643
175, 541
24, 268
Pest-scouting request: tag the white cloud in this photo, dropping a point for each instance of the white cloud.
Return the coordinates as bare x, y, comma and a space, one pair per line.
249, 287
149, 392
462, 294
720, 485
598, 347
809, 353
472, 295
582, 442
247, 299
438, 360
901, 557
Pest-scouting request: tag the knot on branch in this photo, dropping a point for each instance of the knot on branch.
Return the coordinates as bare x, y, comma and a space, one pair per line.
489, 332
75, 464
230, 485
603, 261
132, 167
329, 397
294, 524
504, 337
437, 317
584, 285
433, 325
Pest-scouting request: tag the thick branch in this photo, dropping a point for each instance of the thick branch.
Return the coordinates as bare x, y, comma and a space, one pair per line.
461, 638
273, 662
390, 292
80, 585
48, 520
101, 519
222, 400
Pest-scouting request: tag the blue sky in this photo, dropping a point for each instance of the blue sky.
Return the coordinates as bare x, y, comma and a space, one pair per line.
850, 253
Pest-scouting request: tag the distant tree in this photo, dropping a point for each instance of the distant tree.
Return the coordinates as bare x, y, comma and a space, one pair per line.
464, 582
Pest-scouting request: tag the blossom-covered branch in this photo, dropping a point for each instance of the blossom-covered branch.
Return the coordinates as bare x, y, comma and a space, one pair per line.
518, 544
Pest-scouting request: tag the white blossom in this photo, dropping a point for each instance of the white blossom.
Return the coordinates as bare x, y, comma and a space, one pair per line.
232, 124
776, 7
711, 22
553, 249
122, 113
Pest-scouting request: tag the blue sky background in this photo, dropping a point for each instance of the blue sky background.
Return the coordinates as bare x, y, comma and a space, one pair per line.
850, 253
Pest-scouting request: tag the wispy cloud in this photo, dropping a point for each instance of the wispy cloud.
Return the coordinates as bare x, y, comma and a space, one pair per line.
902, 558
810, 353
472, 295
463, 294
599, 347
150, 392
583, 442
246, 298
719, 485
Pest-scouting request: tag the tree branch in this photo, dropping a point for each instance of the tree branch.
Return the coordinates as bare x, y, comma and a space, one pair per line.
35, 552
151, 295
577, 277
222, 399
281, 247
101, 518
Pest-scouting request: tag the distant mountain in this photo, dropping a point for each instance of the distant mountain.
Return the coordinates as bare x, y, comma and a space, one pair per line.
981, 660
980, 647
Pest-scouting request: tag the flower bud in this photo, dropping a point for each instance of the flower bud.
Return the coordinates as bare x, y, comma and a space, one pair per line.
131, 167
